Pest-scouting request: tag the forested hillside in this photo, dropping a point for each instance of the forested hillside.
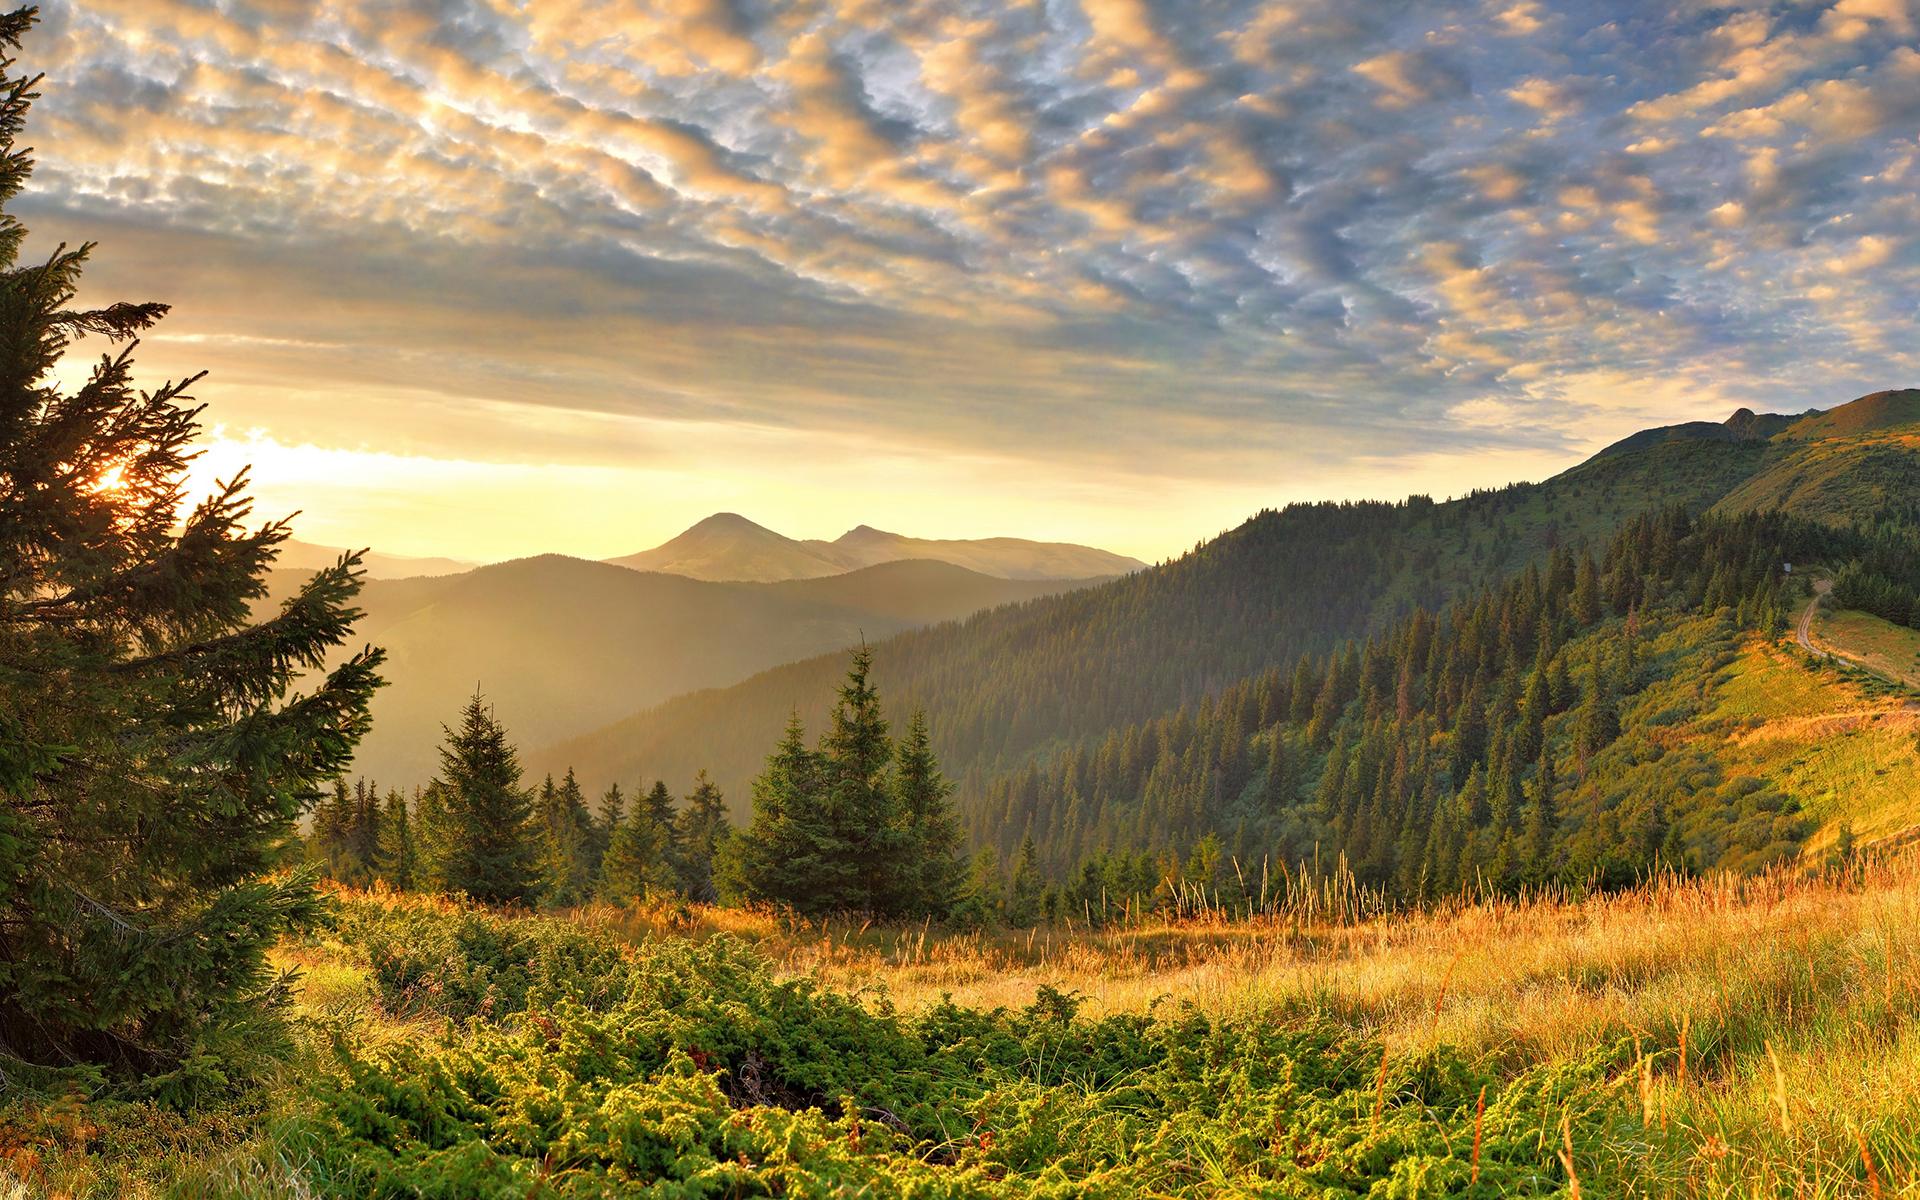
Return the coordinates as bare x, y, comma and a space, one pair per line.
563, 644
1004, 686
1532, 733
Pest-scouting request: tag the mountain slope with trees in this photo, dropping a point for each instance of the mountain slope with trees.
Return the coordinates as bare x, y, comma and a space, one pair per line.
565, 645
1004, 687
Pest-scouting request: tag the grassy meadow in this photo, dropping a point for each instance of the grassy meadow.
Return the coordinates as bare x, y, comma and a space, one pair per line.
1738, 1035
1676, 1039
1892, 650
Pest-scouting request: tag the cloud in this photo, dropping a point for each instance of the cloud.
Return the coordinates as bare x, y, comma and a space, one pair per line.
1410, 77
1190, 248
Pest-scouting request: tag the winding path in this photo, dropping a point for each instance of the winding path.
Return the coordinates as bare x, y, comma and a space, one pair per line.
1805, 633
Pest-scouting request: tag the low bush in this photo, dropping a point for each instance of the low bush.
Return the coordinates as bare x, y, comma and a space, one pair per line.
705, 1075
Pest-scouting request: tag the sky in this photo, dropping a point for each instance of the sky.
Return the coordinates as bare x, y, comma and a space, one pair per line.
487, 278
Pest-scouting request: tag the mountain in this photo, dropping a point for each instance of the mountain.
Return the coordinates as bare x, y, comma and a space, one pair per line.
1016, 685
922, 592
1857, 462
729, 547
561, 645
1008, 558
305, 557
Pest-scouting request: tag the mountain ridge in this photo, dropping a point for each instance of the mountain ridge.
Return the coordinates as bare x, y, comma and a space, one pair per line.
727, 547
1004, 687
562, 644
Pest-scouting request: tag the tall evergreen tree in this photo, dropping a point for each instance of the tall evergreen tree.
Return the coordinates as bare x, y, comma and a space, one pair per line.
930, 868
659, 805
566, 832
789, 854
398, 860
492, 851
636, 863
1025, 892
331, 830
983, 900
151, 767
432, 838
703, 833
855, 754
612, 814
1543, 818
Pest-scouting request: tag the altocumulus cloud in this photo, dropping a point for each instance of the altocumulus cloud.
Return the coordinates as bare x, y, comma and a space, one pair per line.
1251, 244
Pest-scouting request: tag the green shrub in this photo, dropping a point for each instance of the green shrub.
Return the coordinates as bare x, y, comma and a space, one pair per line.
423, 962
685, 1070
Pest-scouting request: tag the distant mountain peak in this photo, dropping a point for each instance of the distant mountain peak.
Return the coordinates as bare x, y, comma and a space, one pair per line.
724, 522
728, 547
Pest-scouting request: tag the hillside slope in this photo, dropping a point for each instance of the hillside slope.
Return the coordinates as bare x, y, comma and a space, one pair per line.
305, 557
1008, 558
1858, 462
562, 645
1022, 682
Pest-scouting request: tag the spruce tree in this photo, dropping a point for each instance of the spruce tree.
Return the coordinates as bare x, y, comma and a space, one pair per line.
627, 869
566, 833
612, 814
492, 850
983, 897
398, 859
1025, 891
432, 838
661, 828
1543, 818
862, 820
363, 841
152, 766
331, 831
930, 868
703, 833
788, 854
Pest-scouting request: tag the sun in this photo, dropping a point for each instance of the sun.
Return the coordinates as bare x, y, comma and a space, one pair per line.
111, 481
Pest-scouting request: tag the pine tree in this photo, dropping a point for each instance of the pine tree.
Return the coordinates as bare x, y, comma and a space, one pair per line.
1597, 723
398, 859
566, 832
1586, 593
703, 833
1024, 893
492, 850
331, 837
634, 865
1543, 818
1281, 789
432, 838
612, 814
658, 803
930, 868
789, 854
984, 899
855, 755
151, 768
362, 849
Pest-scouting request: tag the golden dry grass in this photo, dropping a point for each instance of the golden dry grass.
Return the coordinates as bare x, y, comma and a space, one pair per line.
1794, 994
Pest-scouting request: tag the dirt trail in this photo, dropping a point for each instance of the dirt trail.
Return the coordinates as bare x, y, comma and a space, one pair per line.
1805, 633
